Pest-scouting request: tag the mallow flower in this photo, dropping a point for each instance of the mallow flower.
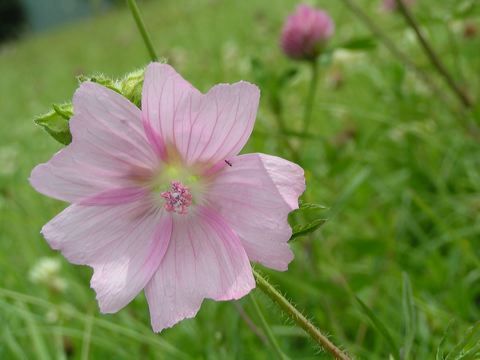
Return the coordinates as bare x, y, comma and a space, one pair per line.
161, 201
305, 33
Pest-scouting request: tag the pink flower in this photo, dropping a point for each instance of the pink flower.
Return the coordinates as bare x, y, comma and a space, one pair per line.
161, 200
391, 5
306, 32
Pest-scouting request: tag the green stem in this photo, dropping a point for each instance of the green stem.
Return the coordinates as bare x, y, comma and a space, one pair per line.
268, 331
298, 317
432, 56
311, 95
277, 108
132, 4
393, 49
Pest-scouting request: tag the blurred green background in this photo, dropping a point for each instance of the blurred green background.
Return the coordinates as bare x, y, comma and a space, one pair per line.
397, 166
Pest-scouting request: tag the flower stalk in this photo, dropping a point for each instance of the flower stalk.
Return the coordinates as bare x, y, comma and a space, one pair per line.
311, 95
132, 4
298, 317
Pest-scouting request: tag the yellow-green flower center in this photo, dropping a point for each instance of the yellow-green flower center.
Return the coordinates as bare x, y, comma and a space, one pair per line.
176, 188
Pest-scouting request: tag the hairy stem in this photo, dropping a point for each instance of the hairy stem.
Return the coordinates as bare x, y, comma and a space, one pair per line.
311, 95
132, 4
432, 56
298, 317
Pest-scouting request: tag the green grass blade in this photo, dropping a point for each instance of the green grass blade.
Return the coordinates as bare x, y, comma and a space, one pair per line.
469, 341
87, 336
38, 343
439, 355
409, 316
12, 344
382, 329
268, 331
153, 339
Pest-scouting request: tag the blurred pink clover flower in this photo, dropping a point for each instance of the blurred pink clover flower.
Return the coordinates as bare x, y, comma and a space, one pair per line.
305, 32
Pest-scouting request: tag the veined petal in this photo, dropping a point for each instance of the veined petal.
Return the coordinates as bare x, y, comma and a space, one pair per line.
255, 195
205, 259
201, 128
108, 148
116, 196
124, 244
164, 97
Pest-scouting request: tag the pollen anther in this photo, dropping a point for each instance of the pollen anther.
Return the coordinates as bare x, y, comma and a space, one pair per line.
178, 198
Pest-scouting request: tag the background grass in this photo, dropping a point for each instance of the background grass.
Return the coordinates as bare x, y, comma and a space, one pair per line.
398, 170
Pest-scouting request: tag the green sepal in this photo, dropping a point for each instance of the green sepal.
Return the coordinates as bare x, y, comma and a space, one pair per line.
55, 122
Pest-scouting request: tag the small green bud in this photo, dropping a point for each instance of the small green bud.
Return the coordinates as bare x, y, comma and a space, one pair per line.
131, 86
102, 80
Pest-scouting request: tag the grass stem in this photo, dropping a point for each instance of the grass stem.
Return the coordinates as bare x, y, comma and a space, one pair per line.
268, 332
393, 49
432, 56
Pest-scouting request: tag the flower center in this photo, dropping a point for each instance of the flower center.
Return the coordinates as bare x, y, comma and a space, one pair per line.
178, 198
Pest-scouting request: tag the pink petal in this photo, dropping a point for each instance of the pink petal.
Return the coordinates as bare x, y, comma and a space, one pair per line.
201, 128
116, 196
164, 97
205, 259
108, 148
124, 244
255, 195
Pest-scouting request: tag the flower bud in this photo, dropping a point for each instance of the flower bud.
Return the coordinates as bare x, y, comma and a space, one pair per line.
306, 32
131, 86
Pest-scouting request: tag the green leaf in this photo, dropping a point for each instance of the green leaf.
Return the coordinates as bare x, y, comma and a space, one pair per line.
311, 206
359, 44
302, 230
55, 122
409, 316
382, 329
305, 229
